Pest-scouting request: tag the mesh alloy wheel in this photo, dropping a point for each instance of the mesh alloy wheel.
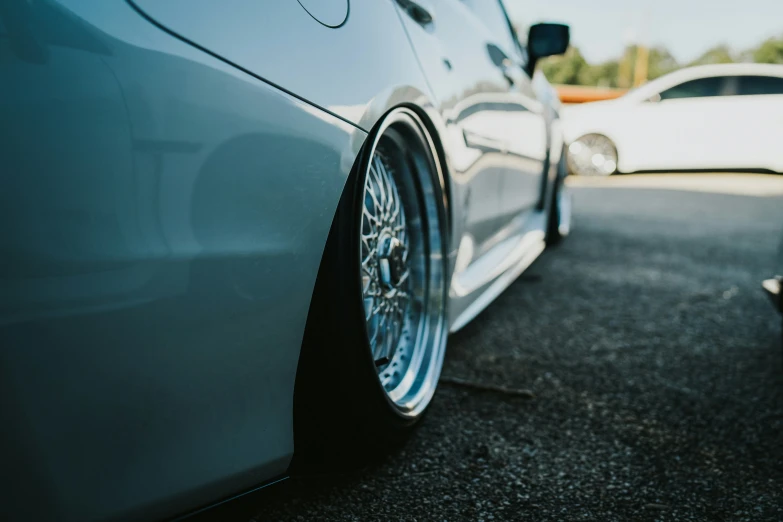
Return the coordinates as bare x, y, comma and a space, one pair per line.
401, 255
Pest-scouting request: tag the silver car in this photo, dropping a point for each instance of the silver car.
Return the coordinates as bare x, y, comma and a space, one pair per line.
239, 233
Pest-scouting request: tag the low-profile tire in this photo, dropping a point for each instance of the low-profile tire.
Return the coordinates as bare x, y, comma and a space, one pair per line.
376, 332
592, 155
559, 215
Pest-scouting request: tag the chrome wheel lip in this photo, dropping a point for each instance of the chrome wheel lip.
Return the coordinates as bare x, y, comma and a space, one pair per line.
412, 390
592, 155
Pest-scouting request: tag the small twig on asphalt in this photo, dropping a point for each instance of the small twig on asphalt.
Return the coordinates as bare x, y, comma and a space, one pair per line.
515, 392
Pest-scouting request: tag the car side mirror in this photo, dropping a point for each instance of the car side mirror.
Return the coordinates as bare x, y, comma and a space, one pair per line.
546, 40
655, 98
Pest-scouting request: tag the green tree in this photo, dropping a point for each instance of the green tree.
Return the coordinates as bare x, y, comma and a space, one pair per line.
770, 51
718, 54
660, 62
573, 69
601, 75
564, 69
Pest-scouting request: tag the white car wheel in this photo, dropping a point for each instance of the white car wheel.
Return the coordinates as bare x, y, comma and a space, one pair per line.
592, 155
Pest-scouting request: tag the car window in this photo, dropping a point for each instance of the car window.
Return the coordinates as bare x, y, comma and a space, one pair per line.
750, 85
699, 88
493, 15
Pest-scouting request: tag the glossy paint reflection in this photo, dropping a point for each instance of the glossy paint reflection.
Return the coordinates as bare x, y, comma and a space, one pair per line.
169, 174
164, 221
496, 144
344, 70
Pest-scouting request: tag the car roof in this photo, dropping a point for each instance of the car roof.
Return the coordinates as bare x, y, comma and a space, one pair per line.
705, 71
729, 69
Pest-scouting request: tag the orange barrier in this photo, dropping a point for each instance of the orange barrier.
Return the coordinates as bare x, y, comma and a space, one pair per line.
580, 94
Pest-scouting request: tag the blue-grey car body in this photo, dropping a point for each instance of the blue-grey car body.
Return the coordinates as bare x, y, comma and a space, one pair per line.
170, 171
773, 286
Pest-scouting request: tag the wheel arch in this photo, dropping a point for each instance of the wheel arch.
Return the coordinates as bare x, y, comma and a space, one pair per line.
325, 320
419, 102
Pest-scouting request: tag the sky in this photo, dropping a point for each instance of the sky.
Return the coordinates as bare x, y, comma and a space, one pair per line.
601, 28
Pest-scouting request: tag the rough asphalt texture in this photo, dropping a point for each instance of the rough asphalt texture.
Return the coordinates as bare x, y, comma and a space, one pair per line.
657, 372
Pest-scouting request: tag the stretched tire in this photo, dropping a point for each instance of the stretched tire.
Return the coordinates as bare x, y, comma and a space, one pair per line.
376, 331
592, 155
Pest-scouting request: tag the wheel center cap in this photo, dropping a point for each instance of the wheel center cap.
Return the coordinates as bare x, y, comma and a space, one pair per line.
391, 259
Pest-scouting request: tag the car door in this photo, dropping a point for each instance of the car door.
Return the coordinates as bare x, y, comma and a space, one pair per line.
470, 90
757, 111
679, 128
526, 129
468, 73
742, 126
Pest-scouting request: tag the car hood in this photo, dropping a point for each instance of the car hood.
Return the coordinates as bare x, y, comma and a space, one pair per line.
581, 109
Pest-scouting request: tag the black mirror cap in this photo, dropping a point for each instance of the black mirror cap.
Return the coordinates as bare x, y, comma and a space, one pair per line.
547, 39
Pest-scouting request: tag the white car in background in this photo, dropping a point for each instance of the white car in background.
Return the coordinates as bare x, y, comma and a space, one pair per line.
710, 117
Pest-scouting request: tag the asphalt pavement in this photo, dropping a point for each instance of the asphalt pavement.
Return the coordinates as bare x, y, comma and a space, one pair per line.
635, 372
